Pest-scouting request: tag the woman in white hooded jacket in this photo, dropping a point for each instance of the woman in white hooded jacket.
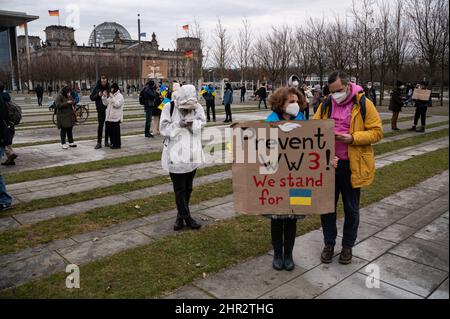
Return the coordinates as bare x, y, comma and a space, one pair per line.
181, 123
114, 114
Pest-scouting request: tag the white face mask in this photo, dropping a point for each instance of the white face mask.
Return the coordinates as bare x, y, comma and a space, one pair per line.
295, 83
340, 97
293, 109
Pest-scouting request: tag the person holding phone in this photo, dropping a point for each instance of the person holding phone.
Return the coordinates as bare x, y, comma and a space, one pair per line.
355, 131
65, 117
181, 123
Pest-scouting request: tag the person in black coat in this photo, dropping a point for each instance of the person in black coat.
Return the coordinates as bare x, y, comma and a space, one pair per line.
39, 94
395, 105
370, 93
262, 94
151, 97
421, 110
96, 96
5, 139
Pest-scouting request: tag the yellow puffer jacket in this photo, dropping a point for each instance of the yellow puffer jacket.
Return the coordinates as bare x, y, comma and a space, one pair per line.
360, 152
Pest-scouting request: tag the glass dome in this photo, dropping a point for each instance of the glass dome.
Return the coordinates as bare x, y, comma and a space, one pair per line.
106, 32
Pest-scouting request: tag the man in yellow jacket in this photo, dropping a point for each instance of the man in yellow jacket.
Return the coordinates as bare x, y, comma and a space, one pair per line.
357, 127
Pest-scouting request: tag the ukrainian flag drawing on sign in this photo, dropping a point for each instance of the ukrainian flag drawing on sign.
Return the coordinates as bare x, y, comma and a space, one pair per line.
300, 197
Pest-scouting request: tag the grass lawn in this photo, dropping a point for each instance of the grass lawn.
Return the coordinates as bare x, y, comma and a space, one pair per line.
152, 270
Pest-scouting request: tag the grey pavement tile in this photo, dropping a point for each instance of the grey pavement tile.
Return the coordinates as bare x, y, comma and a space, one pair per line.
354, 287
315, 281
247, 280
218, 201
437, 232
8, 223
221, 211
424, 252
441, 292
426, 214
365, 230
30, 252
381, 214
188, 292
395, 233
409, 275
105, 246
372, 248
413, 197
14, 274
438, 183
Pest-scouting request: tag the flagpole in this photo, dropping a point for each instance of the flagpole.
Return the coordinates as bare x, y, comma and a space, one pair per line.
59, 22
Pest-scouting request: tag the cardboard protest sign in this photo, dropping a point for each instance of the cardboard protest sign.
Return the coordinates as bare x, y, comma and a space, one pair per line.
155, 69
283, 168
422, 95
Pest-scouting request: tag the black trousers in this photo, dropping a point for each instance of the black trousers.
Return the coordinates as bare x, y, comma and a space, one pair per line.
306, 112
210, 106
39, 100
101, 117
261, 100
182, 187
66, 131
283, 234
114, 133
421, 112
228, 112
350, 199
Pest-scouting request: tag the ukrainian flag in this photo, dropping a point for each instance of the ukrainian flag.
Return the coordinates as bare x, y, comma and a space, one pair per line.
300, 197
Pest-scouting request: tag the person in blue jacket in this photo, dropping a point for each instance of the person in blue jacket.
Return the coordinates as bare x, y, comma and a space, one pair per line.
285, 103
227, 101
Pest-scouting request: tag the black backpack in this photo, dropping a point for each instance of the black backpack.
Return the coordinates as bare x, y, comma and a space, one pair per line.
327, 105
14, 112
141, 97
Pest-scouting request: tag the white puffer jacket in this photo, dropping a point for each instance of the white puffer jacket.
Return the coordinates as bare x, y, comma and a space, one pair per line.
182, 150
114, 107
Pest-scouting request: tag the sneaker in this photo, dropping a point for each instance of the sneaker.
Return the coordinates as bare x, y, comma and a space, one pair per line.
65, 146
4, 207
327, 254
345, 257
9, 162
98, 146
72, 145
395, 129
412, 129
107, 144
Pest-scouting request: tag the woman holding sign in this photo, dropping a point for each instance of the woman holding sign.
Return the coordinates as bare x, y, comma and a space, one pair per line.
285, 103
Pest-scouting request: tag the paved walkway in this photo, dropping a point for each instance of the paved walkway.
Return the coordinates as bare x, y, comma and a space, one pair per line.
404, 236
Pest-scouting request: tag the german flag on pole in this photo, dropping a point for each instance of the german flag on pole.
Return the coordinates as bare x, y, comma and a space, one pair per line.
186, 27
189, 54
53, 13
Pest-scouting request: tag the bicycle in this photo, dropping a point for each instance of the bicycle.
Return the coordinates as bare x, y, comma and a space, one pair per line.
81, 112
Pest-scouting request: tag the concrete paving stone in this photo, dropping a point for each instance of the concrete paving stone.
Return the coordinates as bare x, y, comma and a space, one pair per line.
105, 246
8, 223
382, 163
46, 214
114, 229
315, 281
415, 152
445, 215
247, 280
218, 201
395, 233
188, 292
438, 183
372, 248
30, 252
426, 214
354, 287
40, 182
436, 232
409, 275
398, 158
441, 292
99, 173
365, 230
424, 252
412, 198
223, 211
381, 214
16, 273
172, 214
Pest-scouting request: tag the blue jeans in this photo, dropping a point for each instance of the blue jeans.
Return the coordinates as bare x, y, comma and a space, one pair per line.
350, 199
5, 199
148, 121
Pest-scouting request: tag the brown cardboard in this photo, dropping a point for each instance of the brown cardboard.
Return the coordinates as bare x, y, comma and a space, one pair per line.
422, 95
308, 151
155, 69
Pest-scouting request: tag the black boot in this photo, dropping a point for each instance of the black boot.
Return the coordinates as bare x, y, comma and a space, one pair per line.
179, 224
191, 223
290, 229
277, 243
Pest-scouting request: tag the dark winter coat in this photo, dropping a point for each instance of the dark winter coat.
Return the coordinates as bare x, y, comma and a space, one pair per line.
99, 88
65, 117
396, 102
5, 133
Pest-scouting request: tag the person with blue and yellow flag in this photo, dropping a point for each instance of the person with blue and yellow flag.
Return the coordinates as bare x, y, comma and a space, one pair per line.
209, 94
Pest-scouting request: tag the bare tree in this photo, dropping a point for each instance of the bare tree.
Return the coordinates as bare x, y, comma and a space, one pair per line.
243, 47
338, 39
302, 53
383, 38
223, 47
316, 36
198, 32
427, 18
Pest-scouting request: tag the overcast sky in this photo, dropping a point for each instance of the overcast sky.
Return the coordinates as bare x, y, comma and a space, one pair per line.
165, 18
